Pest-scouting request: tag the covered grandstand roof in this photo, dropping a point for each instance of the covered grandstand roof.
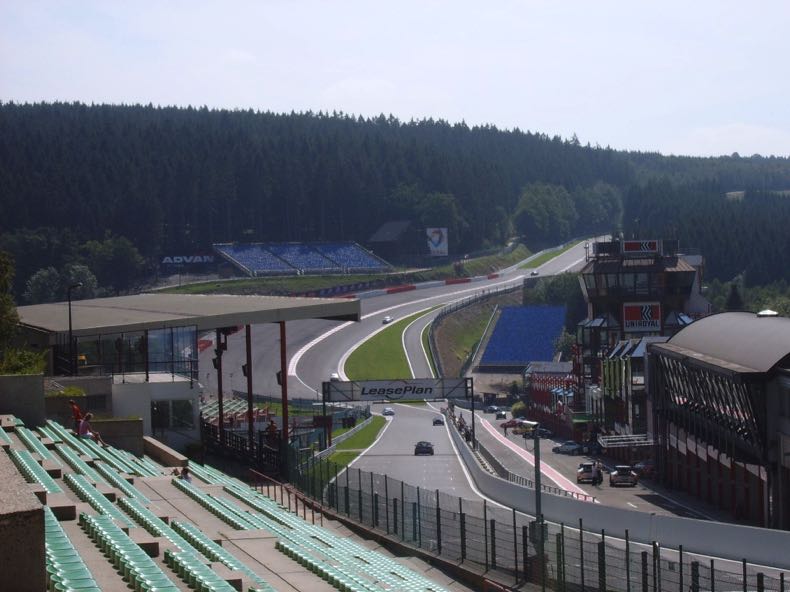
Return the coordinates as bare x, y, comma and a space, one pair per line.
739, 341
157, 311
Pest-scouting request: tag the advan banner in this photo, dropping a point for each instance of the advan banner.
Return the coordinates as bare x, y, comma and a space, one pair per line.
437, 241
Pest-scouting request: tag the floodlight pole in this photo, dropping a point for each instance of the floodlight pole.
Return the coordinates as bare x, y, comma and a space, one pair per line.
284, 386
536, 451
72, 365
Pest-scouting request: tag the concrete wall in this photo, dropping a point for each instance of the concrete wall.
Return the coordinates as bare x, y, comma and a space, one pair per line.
22, 556
728, 541
23, 395
133, 399
123, 433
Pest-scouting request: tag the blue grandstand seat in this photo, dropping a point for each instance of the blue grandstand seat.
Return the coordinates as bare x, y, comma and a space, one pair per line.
350, 256
303, 257
256, 259
524, 334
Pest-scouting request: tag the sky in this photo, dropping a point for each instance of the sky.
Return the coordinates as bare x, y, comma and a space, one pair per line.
693, 78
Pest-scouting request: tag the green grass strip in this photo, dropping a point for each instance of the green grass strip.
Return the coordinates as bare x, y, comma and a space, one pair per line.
548, 256
365, 436
382, 357
427, 347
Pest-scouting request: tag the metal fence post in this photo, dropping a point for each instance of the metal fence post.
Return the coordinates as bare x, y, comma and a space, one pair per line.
627, 562
712, 577
644, 572
493, 543
515, 546
695, 576
395, 513
438, 525
374, 513
375, 510
680, 568
601, 565
462, 527
562, 554
402, 512
558, 559
359, 494
656, 567
581, 551
745, 586
760, 582
387, 502
525, 550
485, 530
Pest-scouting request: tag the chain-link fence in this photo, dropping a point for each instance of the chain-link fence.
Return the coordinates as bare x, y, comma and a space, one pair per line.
559, 557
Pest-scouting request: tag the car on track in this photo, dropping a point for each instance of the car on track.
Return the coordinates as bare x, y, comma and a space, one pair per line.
622, 475
388, 411
386, 320
585, 473
438, 421
568, 447
423, 447
491, 409
535, 272
501, 414
334, 377
510, 423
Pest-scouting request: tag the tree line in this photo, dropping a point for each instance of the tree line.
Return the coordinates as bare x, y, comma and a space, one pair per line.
107, 189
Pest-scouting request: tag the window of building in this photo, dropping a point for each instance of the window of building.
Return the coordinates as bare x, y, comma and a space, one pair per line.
177, 415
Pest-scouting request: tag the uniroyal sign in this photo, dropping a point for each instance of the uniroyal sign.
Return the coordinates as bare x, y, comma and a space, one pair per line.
639, 247
641, 316
187, 259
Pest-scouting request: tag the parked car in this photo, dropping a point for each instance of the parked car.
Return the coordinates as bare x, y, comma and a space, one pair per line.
386, 320
645, 468
423, 448
568, 447
439, 420
334, 377
585, 472
510, 423
545, 433
491, 409
388, 411
622, 475
501, 414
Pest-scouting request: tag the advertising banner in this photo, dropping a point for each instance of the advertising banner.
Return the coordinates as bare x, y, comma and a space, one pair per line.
641, 316
437, 241
394, 390
640, 247
187, 259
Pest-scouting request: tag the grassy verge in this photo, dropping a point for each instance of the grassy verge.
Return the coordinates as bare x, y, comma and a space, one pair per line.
382, 357
547, 256
277, 409
364, 437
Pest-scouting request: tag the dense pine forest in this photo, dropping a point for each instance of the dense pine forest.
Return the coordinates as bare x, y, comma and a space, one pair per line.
106, 190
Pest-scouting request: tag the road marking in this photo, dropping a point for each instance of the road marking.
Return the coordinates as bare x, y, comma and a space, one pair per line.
632, 505
546, 469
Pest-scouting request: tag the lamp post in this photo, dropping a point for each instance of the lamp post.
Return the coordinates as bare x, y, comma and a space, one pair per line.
71, 339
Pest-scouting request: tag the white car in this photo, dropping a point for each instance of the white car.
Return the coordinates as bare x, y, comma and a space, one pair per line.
386, 320
388, 411
334, 377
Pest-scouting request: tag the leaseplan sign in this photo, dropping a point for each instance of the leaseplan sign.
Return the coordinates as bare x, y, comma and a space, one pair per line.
642, 316
393, 390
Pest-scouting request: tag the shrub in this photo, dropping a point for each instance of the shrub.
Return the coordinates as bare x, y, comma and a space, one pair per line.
519, 409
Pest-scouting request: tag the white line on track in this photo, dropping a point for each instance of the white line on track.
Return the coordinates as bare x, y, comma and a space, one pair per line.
632, 505
425, 352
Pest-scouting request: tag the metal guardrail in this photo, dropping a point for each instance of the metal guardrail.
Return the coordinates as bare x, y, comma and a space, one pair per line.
341, 438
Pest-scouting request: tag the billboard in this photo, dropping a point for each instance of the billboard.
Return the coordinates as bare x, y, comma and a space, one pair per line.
641, 316
437, 241
640, 247
394, 390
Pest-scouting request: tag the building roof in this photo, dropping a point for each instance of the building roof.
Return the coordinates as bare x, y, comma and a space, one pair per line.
643, 264
550, 367
158, 311
739, 341
390, 231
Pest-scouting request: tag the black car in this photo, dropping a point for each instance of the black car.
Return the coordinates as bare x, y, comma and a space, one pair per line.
423, 448
544, 433
491, 409
438, 421
501, 414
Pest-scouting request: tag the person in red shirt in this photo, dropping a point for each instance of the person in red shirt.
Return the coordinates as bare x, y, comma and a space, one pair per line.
76, 413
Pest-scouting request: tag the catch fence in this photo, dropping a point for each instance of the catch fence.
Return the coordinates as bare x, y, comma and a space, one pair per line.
557, 557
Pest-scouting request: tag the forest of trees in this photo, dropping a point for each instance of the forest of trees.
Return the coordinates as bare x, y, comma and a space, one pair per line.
103, 191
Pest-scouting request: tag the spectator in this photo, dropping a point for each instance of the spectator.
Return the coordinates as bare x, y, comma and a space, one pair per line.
185, 475
85, 430
76, 414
